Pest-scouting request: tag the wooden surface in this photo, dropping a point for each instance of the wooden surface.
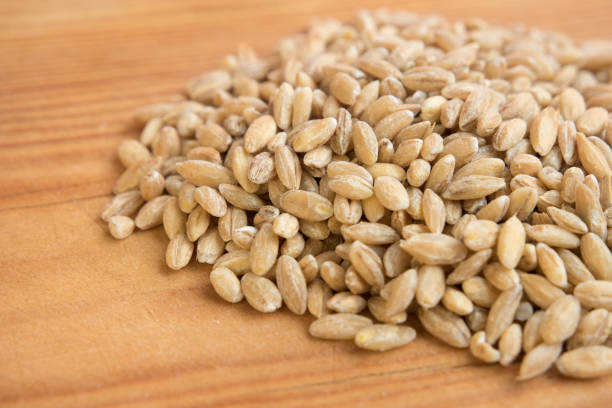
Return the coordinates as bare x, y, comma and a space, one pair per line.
86, 321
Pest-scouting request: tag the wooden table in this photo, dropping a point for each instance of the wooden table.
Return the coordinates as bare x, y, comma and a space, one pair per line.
87, 321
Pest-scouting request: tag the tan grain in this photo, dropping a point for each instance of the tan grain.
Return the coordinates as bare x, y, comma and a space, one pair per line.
291, 284
431, 286
553, 236
383, 337
204, 173
510, 243
210, 246
367, 263
483, 350
120, 226
173, 219
594, 294
264, 250
474, 186
538, 360
560, 320
260, 293
346, 302
391, 194
457, 302
469, 267
445, 326
339, 326
480, 291
434, 211
124, 204
593, 329
510, 344
502, 313
551, 265
226, 284
179, 251
586, 362
211, 201
151, 214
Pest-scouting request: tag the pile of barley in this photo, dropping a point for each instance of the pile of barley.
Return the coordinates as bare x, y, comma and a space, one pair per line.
400, 164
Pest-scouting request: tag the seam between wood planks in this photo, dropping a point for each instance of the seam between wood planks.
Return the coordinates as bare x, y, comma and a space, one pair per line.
54, 189
28, 207
110, 135
198, 390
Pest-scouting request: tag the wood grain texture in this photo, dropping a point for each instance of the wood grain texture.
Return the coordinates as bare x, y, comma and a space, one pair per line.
91, 322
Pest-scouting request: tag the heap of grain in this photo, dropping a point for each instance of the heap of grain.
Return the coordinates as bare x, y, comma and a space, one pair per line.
460, 171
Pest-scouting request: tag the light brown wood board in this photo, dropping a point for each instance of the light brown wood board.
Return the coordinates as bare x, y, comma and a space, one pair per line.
86, 321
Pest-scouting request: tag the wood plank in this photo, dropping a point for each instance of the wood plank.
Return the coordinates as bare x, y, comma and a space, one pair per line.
88, 321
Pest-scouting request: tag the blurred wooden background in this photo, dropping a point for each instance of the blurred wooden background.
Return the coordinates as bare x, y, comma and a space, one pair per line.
87, 321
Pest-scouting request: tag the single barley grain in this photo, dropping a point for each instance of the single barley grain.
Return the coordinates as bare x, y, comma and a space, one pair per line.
151, 214
480, 291
586, 362
457, 302
264, 250
339, 326
383, 337
510, 344
226, 284
291, 284
560, 320
483, 350
179, 252
174, 220
261, 293
346, 302
120, 226
538, 360
445, 326
593, 329
594, 294
124, 204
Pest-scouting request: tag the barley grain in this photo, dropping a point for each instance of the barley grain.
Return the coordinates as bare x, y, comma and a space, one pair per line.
179, 251
538, 360
291, 284
339, 326
151, 214
445, 326
120, 226
502, 312
480, 291
560, 320
391, 194
510, 344
226, 284
430, 287
595, 294
318, 294
483, 350
434, 211
260, 293
469, 267
586, 362
124, 204
551, 265
383, 337
367, 263
593, 329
